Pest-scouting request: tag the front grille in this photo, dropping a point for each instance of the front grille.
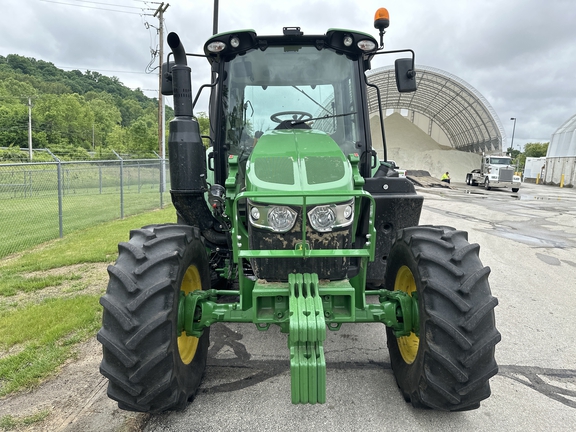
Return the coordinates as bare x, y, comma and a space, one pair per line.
505, 174
278, 269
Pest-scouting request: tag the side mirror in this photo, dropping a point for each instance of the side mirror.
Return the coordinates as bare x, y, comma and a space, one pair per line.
405, 75
167, 89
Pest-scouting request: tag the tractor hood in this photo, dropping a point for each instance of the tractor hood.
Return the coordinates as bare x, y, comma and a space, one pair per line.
297, 160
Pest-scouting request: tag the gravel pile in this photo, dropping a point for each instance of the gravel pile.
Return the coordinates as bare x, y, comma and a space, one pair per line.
411, 148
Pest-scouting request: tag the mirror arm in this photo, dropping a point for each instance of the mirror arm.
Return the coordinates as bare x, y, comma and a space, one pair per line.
200, 91
413, 71
375, 87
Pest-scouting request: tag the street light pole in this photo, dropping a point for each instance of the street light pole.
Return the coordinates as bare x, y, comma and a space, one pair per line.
215, 24
513, 129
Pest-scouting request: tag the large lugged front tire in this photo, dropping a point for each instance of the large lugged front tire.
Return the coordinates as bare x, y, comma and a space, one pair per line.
149, 367
447, 366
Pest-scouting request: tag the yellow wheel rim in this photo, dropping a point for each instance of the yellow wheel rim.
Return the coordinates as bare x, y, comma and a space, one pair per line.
408, 345
187, 345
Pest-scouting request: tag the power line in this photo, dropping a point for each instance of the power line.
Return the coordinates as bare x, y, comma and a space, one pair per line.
90, 7
107, 4
99, 70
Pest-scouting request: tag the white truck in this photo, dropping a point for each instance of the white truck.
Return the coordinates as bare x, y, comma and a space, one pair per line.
495, 172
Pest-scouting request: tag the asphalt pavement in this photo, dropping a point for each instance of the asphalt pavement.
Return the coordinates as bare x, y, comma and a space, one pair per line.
529, 241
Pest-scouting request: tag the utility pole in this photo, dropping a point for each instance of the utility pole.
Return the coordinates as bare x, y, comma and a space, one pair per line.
160, 14
30, 128
161, 139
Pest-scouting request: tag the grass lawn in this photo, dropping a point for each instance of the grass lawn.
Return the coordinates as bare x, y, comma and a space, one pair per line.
49, 298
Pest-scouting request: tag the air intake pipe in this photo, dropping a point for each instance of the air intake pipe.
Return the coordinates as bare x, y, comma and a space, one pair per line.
186, 151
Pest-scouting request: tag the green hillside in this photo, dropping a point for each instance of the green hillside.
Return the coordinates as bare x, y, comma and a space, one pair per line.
73, 112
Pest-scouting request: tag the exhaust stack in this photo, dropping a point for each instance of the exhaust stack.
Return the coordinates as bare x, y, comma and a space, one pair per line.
185, 147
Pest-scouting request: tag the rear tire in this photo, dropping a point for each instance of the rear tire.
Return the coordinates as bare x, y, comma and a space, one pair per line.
149, 367
515, 190
449, 364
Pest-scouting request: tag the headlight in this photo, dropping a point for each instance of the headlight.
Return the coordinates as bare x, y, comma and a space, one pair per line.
325, 218
281, 219
274, 218
322, 218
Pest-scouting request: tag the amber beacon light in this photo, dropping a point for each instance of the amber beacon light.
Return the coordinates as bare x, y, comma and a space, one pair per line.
381, 19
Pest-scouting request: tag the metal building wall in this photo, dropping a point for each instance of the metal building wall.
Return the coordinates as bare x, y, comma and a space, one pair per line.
561, 155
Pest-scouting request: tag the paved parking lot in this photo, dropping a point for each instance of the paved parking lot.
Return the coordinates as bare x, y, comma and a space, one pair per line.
529, 241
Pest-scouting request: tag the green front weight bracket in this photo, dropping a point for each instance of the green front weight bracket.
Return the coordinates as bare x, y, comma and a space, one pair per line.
300, 310
307, 334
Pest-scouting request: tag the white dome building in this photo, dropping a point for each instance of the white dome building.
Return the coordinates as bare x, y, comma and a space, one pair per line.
561, 155
445, 125
446, 107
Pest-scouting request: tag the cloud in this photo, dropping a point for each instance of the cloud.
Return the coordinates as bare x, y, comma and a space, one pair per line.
519, 54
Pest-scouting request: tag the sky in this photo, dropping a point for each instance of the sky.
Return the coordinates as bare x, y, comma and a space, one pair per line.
519, 54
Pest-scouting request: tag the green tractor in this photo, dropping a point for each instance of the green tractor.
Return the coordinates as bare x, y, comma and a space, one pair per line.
290, 219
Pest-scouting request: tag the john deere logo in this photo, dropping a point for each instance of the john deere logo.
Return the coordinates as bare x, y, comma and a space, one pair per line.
300, 246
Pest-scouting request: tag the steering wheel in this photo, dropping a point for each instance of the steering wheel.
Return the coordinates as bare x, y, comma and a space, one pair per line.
296, 116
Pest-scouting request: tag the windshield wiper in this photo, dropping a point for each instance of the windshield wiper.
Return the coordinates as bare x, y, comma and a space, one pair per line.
311, 98
296, 122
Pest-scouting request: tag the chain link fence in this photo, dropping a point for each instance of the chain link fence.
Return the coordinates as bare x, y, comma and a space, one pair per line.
43, 201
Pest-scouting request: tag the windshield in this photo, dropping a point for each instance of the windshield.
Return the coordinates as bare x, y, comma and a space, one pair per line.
290, 87
500, 161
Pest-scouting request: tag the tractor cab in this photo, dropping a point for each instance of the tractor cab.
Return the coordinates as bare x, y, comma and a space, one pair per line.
309, 87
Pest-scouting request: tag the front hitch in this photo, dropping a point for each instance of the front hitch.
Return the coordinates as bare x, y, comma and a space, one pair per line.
304, 309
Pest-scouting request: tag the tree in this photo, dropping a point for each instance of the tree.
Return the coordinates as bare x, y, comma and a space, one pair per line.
131, 111
21, 64
204, 124
14, 112
536, 149
116, 140
530, 150
143, 136
74, 111
13, 125
518, 158
513, 152
66, 119
106, 116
